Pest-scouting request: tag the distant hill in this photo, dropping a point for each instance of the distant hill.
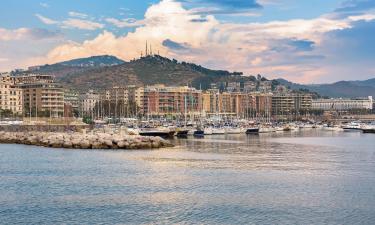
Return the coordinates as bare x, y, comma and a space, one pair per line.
144, 71
101, 72
346, 89
94, 61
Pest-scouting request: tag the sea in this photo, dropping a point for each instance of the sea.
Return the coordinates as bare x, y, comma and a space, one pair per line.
305, 177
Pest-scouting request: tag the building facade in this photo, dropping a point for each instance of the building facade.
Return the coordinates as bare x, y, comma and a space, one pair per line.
41, 95
159, 100
290, 103
340, 104
11, 96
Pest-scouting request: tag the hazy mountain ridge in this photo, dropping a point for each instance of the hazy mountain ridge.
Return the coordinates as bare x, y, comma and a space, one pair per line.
347, 89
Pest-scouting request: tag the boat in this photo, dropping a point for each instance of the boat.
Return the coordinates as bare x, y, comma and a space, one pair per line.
353, 126
182, 133
207, 131
218, 131
199, 133
157, 133
333, 128
253, 130
370, 128
233, 130
266, 130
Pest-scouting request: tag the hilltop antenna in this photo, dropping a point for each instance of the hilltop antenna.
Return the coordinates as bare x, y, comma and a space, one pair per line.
146, 48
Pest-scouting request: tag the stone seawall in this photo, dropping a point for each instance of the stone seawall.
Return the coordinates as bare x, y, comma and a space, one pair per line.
43, 128
83, 141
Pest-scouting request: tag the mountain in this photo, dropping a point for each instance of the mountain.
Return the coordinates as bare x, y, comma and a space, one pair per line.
347, 89
94, 61
368, 83
101, 72
144, 71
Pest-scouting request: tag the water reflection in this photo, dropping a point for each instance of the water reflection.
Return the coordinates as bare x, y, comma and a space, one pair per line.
280, 178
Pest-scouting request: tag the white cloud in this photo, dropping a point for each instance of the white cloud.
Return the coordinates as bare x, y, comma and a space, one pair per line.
81, 24
44, 5
129, 22
46, 20
4, 59
72, 23
250, 47
77, 14
27, 33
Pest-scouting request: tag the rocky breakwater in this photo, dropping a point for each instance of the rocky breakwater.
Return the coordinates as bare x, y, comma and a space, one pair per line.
83, 141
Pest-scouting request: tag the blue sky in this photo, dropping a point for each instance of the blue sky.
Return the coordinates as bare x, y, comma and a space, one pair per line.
300, 40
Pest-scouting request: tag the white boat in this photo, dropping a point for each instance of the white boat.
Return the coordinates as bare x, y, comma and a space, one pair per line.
218, 131
266, 130
353, 126
207, 131
233, 130
333, 128
279, 129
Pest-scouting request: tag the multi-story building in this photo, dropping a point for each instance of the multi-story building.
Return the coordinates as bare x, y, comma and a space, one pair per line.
237, 104
234, 87
88, 101
250, 86
290, 103
265, 86
71, 103
341, 104
160, 100
11, 96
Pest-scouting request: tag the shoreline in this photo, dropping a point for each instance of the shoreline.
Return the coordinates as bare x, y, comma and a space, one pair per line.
83, 141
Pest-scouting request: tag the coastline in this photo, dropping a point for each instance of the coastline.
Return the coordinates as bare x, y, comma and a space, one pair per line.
77, 140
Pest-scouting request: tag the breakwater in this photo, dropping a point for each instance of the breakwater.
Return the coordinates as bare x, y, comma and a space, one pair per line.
77, 140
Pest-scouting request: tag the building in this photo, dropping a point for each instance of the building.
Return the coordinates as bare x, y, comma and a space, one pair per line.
237, 104
250, 86
341, 104
159, 100
88, 102
71, 103
233, 87
11, 96
265, 86
290, 103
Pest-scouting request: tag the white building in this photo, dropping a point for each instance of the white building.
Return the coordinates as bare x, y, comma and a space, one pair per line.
341, 104
89, 101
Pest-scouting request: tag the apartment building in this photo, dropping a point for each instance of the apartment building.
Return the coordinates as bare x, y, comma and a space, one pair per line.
160, 100
290, 103
11, 96
42, 96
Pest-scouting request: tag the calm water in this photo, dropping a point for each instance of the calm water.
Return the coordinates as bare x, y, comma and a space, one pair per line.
295, 178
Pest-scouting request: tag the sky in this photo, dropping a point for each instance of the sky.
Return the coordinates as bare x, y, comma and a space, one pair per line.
304, 41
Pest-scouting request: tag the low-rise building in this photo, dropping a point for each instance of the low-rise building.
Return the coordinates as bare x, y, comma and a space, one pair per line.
342, 104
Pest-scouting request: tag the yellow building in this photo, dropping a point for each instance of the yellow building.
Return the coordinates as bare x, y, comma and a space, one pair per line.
11, 97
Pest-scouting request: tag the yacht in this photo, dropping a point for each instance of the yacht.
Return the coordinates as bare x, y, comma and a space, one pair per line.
353, 126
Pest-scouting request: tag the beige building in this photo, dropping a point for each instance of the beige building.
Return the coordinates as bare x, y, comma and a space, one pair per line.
290, 103
41, 95
11, 97
237, 104
160, 100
